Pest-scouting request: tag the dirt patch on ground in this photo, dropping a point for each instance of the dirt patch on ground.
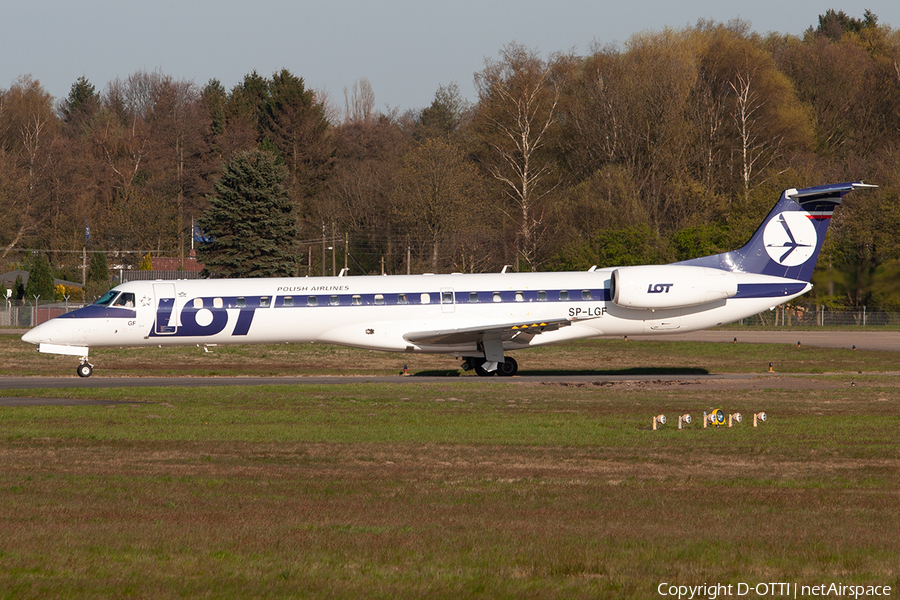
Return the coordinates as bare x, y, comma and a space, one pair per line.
620, 384
729, 383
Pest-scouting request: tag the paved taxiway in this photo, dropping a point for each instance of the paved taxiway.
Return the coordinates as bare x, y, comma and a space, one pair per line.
863, 340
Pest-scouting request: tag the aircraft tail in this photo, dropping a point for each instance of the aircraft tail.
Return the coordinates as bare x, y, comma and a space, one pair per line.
788, 242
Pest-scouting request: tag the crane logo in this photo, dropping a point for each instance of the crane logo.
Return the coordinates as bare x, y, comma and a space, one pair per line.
790, 238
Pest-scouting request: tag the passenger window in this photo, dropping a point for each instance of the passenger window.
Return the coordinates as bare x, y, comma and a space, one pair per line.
542, 296
402, 299
356, 300
198, 303
563, 295
520, 297
473, 297
218, 303
585, 294
335, 300
425, 298
379, 299
446, 297
312, 301
497, 297
264, 302
241, 302
288, 300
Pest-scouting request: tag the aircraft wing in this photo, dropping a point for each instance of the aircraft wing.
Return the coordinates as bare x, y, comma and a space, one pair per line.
520, 331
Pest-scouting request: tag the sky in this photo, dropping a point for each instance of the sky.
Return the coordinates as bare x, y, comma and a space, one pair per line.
405, 48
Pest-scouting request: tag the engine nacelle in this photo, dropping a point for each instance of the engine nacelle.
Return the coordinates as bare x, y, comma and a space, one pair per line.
670, 286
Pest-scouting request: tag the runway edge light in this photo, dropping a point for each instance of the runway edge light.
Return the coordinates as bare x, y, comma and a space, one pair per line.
684, 420
658, 420
716, 417
760, 416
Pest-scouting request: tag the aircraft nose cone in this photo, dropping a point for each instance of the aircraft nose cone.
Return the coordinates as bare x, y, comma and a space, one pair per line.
33, 336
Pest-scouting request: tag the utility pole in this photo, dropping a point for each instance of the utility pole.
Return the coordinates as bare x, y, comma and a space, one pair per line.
333, 251
346, 250
323, 249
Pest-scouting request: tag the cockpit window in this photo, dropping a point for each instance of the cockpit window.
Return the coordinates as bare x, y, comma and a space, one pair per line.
125, 299
107, 298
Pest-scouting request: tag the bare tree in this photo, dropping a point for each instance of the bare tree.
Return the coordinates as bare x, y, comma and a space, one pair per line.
518, 100
436, 188
28, 133
359, 105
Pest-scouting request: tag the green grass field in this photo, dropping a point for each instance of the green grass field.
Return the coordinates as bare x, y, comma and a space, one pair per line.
467, 487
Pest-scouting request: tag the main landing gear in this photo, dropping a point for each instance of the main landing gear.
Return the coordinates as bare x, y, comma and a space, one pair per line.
507, 368
85, 368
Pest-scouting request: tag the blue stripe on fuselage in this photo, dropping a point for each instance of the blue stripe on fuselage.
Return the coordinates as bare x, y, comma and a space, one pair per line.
98, 311
415, 298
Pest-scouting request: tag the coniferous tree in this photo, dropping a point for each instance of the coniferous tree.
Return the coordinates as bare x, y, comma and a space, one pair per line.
81, 103
249, 222
97, 277
40, 280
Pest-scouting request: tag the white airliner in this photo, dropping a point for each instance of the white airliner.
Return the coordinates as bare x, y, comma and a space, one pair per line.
475, 317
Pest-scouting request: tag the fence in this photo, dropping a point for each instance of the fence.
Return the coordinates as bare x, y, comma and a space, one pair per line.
29, 316
822, 317
135, 275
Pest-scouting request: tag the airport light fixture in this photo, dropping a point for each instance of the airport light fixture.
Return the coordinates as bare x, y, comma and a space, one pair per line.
716, 417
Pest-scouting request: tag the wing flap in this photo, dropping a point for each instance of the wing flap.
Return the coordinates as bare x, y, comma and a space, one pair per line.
523, 331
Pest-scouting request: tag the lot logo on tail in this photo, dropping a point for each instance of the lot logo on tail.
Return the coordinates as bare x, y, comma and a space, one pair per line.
790, 238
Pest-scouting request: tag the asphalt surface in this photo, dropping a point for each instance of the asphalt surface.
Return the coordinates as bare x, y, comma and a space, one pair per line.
864, 340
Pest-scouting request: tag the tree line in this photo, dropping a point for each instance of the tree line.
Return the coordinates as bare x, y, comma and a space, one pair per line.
670, 146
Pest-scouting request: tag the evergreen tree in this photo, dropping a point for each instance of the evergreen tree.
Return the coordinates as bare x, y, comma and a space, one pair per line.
249, 222
445, 115
80, 106
97, 277
40, 280
18, 294
82, 95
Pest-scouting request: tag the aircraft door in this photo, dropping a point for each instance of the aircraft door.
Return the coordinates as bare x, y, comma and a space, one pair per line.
166, 317
448, 300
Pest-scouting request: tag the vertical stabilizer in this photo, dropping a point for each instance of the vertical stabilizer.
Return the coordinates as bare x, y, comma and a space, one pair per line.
788, 242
